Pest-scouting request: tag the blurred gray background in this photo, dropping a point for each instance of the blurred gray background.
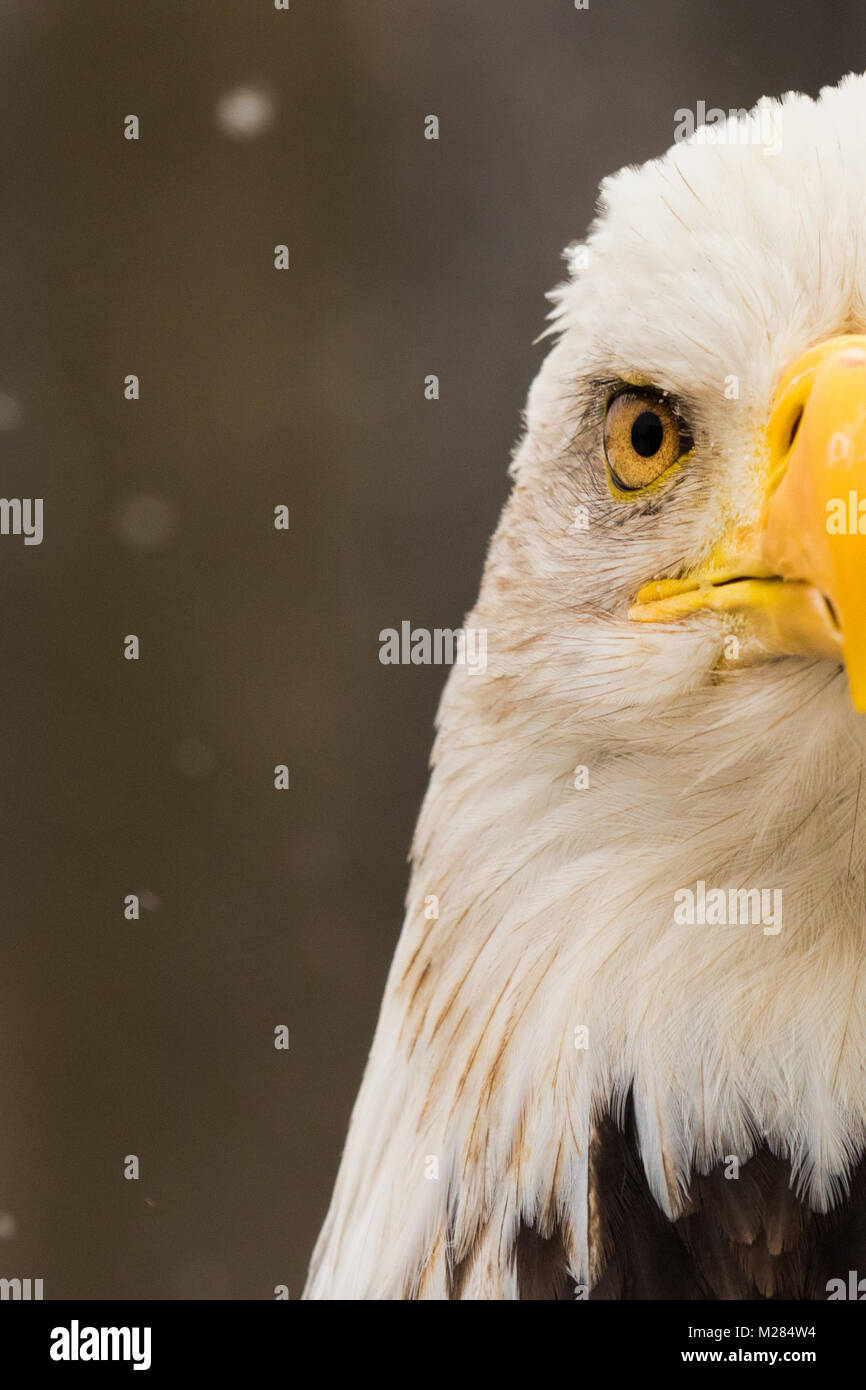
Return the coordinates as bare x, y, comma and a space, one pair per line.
258, 388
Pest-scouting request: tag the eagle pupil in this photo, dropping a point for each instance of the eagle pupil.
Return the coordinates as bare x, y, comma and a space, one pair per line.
647, 434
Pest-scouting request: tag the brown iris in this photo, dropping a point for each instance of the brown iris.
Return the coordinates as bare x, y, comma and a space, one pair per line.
643, 436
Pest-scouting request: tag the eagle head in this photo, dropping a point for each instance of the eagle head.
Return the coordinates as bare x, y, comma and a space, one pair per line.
634, 938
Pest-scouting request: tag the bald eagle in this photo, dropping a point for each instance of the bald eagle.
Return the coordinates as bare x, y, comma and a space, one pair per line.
622, 1048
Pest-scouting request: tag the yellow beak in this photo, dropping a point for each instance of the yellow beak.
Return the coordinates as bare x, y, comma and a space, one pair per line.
795, 580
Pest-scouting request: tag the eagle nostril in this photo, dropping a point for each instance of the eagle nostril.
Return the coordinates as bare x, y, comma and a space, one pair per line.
795, 425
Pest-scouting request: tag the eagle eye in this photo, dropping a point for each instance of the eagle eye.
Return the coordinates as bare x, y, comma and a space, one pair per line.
643, 437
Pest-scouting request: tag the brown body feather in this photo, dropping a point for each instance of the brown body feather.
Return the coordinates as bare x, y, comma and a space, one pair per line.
748, 1237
